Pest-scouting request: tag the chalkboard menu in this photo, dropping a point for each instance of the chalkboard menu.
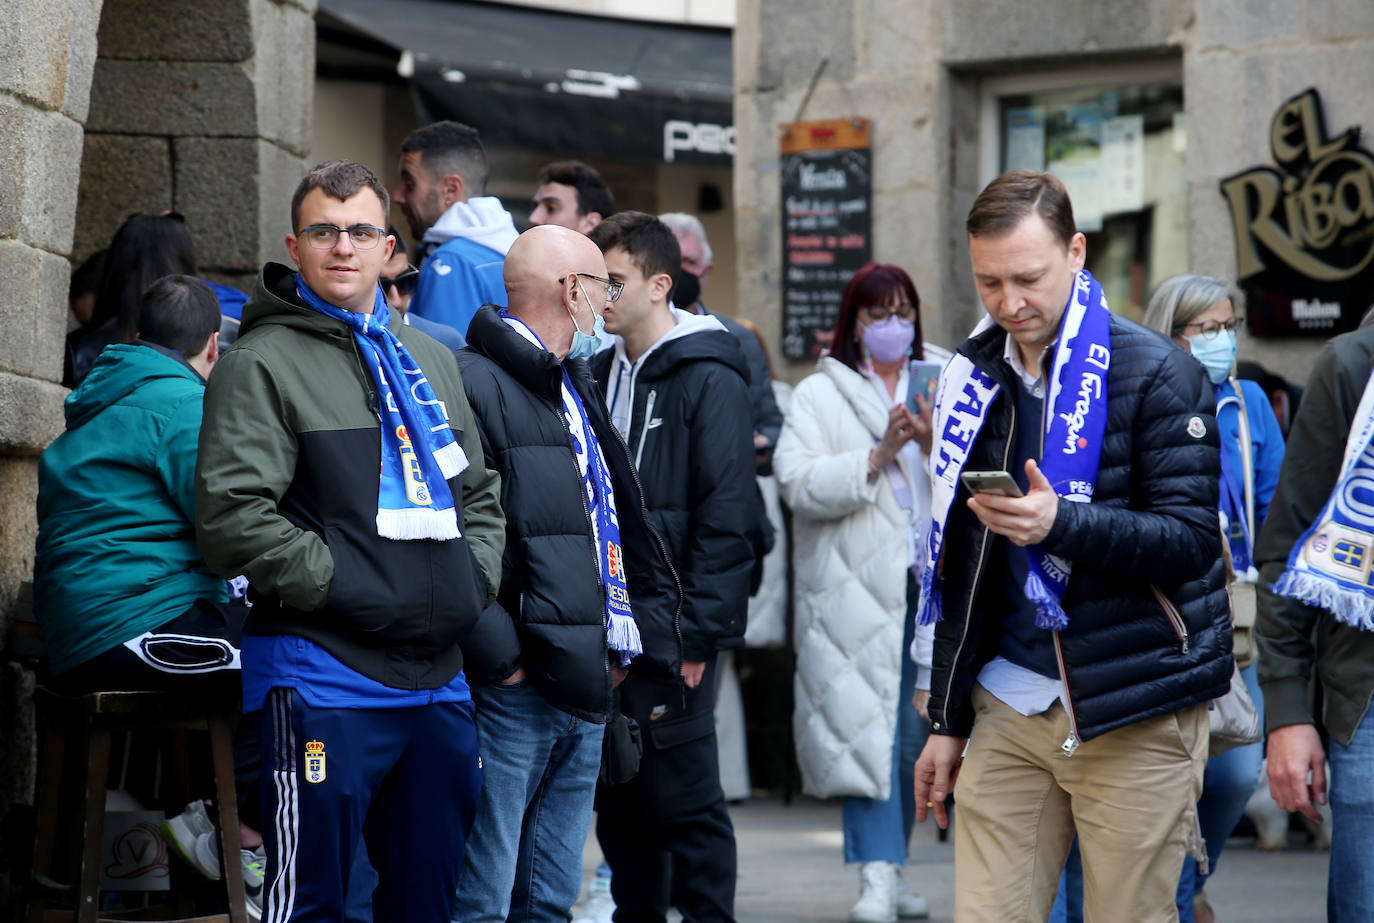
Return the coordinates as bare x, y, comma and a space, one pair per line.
826, 225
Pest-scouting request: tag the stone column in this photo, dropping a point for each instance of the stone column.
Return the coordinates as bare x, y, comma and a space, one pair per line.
204, 108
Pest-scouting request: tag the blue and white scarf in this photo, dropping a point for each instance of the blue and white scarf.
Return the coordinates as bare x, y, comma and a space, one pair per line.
622, 633
419, 451
1329, 567
1076, 418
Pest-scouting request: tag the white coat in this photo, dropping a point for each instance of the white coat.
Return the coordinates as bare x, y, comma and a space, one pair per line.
850, 568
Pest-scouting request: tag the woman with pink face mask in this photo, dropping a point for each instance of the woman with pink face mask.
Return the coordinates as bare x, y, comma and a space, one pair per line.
851, 464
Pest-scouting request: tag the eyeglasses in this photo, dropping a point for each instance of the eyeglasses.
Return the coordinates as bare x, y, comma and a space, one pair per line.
326, 236
404, 283
613, 288
1212, 329
880, 312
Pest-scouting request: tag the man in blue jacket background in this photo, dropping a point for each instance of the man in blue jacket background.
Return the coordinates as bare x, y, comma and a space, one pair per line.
463, 232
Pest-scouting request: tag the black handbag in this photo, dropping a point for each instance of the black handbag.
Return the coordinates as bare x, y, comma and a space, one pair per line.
621, 748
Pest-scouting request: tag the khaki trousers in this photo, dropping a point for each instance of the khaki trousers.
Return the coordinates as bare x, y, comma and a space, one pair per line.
1131, 794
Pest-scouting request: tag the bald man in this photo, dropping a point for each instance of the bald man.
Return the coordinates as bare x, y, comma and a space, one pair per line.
584, 592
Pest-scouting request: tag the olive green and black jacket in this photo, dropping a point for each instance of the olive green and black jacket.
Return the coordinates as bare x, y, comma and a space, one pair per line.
286, 493
1298, 642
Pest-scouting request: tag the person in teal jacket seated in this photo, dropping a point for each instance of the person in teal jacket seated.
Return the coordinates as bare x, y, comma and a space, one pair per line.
123, 598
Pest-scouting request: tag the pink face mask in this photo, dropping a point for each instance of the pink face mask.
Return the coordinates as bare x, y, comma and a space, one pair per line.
889, 340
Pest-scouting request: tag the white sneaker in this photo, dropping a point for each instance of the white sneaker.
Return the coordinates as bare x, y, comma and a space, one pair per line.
192, 837
877, 894
910, 905
599, 907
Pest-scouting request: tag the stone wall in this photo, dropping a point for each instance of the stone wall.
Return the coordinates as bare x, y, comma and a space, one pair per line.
914, 67
207, 114
201, 107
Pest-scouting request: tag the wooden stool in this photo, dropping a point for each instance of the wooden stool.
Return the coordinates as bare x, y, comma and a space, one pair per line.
89, 721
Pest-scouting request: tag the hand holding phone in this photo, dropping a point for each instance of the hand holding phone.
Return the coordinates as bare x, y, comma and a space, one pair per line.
1000, 483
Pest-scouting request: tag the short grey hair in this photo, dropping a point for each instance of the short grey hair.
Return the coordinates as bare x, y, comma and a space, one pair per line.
1177, 302
685, 225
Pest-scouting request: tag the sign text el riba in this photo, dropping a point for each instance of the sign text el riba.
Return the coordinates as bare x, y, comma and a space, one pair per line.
1305, 231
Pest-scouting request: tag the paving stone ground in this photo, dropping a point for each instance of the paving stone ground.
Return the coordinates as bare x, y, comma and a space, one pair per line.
791, 870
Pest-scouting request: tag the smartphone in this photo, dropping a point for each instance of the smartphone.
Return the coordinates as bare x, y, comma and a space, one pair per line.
924, 379
991, 482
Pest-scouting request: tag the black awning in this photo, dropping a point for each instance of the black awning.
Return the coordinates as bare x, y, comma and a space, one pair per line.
579, 85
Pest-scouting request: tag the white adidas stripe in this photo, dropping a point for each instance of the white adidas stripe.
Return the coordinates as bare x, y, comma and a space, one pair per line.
281, 896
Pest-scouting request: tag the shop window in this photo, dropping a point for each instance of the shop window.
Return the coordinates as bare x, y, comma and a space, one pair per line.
1117, 140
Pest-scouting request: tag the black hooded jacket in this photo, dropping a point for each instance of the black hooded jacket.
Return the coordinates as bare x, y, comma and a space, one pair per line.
691, 438
550, 613
1152, 523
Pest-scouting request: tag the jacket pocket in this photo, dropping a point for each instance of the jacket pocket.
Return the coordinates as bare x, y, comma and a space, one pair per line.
665, 735
371, 597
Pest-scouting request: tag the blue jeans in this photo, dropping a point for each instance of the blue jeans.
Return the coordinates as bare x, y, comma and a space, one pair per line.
1228, 783
878, 831
1350, 887
524, 855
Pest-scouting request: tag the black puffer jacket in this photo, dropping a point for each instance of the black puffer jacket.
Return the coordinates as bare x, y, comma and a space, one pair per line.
691, 437
550, 612
1152, 522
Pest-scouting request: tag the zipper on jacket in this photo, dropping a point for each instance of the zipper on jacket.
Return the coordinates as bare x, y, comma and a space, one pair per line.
658, 539
977, 574
644, 427
1175, 620
1070, 744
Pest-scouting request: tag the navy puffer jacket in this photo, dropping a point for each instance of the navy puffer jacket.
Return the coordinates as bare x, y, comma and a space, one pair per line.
1129, 653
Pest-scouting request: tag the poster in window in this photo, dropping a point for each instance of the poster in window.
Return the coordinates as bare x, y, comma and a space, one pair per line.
1025, 148
1073, 151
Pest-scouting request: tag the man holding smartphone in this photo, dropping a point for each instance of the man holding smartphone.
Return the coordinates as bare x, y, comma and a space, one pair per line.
1080, 627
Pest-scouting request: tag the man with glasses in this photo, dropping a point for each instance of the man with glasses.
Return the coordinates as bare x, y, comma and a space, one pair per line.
587, 588
398, 281
676, 386
465, 233
340, 469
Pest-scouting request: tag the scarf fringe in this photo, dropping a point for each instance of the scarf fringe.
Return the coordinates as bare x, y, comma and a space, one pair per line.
451, 459
622, 637
1048, 612
931, 609
416, 524
1351, 607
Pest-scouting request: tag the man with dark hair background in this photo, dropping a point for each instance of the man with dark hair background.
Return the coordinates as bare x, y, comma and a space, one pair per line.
571, 195
676, 387
116, 563
463, 232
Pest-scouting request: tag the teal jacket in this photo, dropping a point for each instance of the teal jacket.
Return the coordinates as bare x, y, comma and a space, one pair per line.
116, 553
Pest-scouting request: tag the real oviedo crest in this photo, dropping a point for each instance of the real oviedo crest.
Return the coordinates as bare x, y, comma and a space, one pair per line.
314, 761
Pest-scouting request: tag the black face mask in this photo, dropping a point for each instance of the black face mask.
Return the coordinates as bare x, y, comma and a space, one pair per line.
687, 290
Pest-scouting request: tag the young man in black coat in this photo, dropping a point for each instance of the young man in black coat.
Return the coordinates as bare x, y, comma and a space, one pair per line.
585, 581
677, 389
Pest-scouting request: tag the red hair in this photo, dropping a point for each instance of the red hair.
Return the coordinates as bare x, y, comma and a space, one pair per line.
872, 284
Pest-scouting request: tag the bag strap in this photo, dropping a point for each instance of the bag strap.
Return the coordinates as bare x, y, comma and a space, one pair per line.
1247, 464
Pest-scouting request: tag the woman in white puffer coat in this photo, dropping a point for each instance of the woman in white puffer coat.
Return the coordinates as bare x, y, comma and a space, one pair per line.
851, 464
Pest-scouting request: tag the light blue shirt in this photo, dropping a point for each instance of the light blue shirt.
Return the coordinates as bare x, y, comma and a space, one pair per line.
1023, 690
